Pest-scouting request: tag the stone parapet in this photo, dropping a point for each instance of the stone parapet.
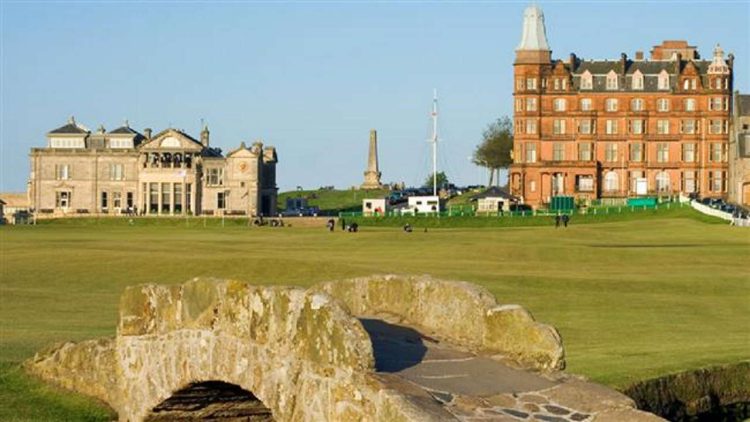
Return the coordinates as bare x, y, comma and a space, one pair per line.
462, 313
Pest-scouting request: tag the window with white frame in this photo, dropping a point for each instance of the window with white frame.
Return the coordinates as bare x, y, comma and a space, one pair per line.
587, 81
531, 127
637, 82
662, 104
662, 127
662, 152
714, 126
63, 199
62, 172
585, 151
716, 181
558, 127
663, 81
215, 176
688, 153
636, 127
610, 104
688, 126
636, 152
610, 127
532, 185
519, 104
717, 152
117, 200
636, 104
585, 183
610, 152
530, 153
519, 84
559, 104
688, 181
662, 182
714, 103
531, 83
586, 104
116, 171
556, 84
558, 151
584, 126
611, 80
689, 104
531, 104
634, 176
611, 181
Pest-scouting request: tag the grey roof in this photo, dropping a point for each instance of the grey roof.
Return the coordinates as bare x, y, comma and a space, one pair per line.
124, 130
744, 105
649, 69
70, 128
493, 192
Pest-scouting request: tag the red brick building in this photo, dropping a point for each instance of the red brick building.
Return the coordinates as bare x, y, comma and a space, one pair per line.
618, 128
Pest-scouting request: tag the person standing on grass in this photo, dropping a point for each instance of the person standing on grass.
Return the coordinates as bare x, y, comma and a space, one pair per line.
565, 219
343, 224
557, 220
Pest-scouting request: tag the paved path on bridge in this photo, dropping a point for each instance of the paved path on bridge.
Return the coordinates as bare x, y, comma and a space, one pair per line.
455, 384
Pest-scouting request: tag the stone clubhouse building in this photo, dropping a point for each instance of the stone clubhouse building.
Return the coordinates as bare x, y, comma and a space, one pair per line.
618, 128
122, 171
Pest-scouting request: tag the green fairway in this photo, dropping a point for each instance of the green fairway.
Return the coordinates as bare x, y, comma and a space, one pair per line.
632, 299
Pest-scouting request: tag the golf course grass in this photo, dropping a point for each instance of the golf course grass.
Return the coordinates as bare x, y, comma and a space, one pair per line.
632, 299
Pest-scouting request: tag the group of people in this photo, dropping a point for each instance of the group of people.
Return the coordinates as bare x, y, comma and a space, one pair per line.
352, 228
564, 219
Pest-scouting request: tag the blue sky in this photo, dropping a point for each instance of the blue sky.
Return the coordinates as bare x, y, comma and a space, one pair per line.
311, 78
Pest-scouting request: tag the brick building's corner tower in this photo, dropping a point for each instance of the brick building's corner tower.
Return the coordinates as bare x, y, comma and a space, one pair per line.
533, 62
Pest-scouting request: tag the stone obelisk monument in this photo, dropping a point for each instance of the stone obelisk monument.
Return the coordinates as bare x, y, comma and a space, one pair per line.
372, 174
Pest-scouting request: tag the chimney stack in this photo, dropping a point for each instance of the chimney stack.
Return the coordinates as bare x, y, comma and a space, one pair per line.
147, 133
204, 136
623, 62
639, 55
572, 60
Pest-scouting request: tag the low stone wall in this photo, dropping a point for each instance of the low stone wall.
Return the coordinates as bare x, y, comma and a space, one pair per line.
716, 393
299, 352
462, 313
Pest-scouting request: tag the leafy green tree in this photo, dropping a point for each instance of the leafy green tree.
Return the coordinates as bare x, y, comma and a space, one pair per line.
495, 150
442, 180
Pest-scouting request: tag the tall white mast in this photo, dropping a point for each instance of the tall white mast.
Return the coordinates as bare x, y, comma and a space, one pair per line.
434, 142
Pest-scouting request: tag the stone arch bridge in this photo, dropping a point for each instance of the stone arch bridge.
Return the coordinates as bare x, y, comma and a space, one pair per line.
382, 348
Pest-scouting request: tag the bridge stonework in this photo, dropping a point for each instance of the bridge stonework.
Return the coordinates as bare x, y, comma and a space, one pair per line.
303, 353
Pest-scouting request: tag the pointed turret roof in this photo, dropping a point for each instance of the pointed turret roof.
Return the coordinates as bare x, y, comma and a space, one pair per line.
534, 33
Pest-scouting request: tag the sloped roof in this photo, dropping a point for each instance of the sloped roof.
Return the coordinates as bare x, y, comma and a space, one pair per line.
71, 128
124, 130
493, 192
15, 199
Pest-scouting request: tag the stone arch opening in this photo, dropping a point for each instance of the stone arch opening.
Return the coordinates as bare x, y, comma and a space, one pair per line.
211, 400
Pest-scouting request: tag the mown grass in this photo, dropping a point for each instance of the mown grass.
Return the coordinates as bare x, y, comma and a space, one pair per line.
632, 299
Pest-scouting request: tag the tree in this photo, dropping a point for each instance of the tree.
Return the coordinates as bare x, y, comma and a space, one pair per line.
495, 151
442, 180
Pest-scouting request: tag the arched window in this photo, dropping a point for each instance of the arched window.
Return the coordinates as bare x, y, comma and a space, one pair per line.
611, 80
611, 181
662, 181
663, 80
587, 81
637, 83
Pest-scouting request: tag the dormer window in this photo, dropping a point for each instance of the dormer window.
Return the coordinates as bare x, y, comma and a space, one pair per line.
557, 84
663, 80
587, 81
637, 83
611, 80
